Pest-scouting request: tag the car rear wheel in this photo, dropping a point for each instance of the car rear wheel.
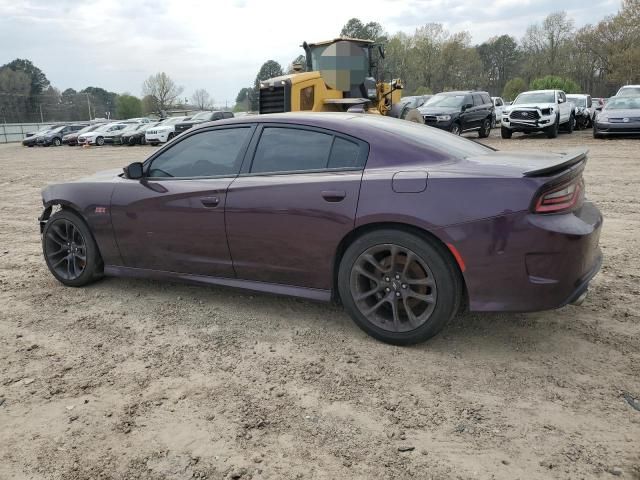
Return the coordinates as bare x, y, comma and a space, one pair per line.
70, 251
100, 141
398, 287
505, 133
485, 128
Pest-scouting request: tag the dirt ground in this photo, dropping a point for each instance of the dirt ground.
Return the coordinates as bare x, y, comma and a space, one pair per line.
133, 379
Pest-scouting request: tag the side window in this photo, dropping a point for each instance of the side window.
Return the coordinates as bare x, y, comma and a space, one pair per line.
217, 116
307, 98
344, 154
206, 154
486, 99
562, 96
477, 100
499, 102
227, 115
290, 149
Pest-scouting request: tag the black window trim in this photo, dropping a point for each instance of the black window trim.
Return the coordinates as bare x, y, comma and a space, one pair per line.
245, 170
146, 165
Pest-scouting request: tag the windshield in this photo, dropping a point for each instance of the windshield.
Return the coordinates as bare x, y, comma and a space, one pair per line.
577, 101
535, 97
201, 116
90, 128
623, 103
628, 91
103, 127
450, 101
173, 120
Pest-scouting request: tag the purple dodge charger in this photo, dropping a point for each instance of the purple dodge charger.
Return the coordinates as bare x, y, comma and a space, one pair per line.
403, 224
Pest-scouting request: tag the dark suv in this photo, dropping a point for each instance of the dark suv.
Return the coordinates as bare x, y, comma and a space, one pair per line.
460, 112
201, 118
54, 136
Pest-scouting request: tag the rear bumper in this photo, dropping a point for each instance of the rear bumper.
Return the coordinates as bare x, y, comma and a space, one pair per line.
527, 262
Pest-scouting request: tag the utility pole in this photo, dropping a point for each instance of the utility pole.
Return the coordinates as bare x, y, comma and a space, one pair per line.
89, 105
41, 117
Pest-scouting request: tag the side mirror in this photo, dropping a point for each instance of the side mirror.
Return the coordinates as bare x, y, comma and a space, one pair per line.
560, 100
133, 171
467, 106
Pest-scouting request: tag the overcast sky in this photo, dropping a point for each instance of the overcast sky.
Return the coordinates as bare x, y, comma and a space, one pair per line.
219, 45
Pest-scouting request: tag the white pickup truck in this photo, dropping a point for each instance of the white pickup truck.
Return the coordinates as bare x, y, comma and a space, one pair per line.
539, 111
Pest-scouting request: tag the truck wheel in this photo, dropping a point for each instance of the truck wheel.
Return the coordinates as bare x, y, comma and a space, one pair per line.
505, 132
552, 131
570, 124
413, 115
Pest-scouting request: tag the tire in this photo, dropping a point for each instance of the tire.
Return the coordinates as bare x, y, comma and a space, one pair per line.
596, 134
413, 115
505, 133
493, 121
56, 142
456, 129
100, 141
65, 234
485, 128
571, 124
440, 292
170, 136
552, 131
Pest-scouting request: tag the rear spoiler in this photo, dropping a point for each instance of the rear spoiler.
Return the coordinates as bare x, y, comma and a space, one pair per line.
565, 160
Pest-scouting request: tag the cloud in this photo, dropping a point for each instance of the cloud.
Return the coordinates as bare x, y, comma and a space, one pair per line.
220, 45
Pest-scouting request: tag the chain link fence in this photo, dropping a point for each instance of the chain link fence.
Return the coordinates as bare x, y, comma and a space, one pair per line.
16, 132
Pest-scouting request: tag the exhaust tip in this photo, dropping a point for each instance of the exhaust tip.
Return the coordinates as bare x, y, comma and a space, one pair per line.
580, 300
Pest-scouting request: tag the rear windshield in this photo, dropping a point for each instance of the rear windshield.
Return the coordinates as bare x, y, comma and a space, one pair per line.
429, 137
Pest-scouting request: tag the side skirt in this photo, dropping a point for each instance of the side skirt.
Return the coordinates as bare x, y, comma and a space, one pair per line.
273, 288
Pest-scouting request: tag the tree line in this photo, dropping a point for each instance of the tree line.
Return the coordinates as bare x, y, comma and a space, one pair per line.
595, 59
26, 95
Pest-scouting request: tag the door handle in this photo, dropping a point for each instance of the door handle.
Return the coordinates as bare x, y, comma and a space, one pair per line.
334, 195
210, 202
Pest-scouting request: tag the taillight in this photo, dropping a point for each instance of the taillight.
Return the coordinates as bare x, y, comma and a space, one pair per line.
560, 198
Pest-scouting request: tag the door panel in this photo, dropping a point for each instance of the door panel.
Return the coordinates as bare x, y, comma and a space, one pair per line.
286, 228
173, 225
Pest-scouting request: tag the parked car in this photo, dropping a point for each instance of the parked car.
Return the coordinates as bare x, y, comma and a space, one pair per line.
318, 205
165, 132
54, 136
137, 137
71, 138
460, 112
406, 104
539, 111
114, 137
30, 138
96, 137
584, 109
621, 116
498, 105
629, 90
201, 117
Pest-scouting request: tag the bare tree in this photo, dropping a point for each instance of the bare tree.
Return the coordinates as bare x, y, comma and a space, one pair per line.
201, 99
163, 89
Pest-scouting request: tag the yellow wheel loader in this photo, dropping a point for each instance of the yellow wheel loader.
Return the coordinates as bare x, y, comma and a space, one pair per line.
342, 75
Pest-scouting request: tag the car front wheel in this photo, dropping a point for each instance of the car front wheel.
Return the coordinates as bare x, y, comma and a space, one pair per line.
99, 141
70, 250
455, 128
398, 287
56, 142
505, 132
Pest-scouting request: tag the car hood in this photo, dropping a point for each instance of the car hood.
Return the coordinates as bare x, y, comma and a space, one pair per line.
101, 176
625, 113
539, 106
427, 110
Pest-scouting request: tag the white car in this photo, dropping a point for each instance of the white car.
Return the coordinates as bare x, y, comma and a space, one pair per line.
539, 111
96, 137
628, 91
163, 133
498, 105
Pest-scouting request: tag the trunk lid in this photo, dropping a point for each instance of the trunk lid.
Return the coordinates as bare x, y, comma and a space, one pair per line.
529, 164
